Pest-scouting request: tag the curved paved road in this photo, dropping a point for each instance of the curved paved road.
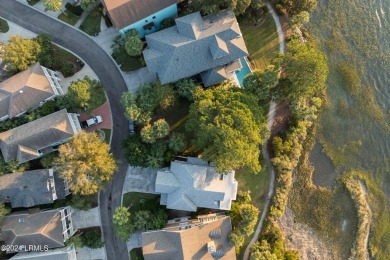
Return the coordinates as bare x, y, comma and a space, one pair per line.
113, 82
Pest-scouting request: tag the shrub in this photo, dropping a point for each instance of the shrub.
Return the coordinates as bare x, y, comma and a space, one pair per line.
176, 142
280, 10
135, 150
92, 239
83, 202
75, 9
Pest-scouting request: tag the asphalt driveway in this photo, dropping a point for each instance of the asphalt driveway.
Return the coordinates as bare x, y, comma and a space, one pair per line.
107, 71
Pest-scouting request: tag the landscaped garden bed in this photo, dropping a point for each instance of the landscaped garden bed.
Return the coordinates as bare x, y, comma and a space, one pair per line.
91, 24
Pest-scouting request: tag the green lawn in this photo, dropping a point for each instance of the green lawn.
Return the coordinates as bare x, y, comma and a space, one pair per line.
91, 24
258, 186
63, 56
68, 17
262, 42
3, 26
136, 201
126, 62
98, 98
32, 2
107, 133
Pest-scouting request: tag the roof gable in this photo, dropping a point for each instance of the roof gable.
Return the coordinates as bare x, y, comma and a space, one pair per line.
189, 48
36, 135
24, 90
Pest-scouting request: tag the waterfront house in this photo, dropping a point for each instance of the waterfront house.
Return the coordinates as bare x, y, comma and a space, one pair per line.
194, 183
211, 46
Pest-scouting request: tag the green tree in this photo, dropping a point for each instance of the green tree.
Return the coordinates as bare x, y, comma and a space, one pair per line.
148, 134
3, 210
75, 240
227, 123
301, 18
20, 52
80, 93
48, 160
244, 197
135, 150
176, 142
155, 157
53, 5
146, 97
85, 163
186, 88
296, 6
122, 225
88, 5
306, 70
142, 220
83, 202
160, 128
165, 96
159, 219
260, 83
46, 55
262, 251
257, 4
134, 46
241, 6
92, 239
236, 239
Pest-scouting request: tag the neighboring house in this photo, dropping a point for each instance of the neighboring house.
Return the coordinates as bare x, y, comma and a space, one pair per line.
210, 46
68, 253
192, 184
37, 231
39, 137
32, 188
27, 89
143, 15
205, 238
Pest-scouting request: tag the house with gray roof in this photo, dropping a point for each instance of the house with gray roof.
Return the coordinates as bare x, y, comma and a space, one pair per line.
205, 238
39, 137
210, 46
67, 253
32, 188
27, 89
45, 230
195, 184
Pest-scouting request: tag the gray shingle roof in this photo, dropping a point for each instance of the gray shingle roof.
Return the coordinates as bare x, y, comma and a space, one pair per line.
56, 254
43, 228
188, 186
189, 243
194, 45
23, 91
126, 12
31, 188
22, 143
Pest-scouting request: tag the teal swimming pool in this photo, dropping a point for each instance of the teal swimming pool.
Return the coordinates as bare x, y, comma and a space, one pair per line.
243, 72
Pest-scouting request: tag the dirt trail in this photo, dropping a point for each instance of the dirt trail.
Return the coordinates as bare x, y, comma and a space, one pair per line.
270, 120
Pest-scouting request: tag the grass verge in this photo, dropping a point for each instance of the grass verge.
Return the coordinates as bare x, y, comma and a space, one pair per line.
63, 56
107, 135
137, 201
68, 17
262, 42
126, 62
4, 26
91, 24
32, 2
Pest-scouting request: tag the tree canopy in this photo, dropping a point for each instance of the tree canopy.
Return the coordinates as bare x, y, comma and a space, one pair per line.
121, 221
260, 83
186, 87
85, 163
87, 4
296, 6
227, 123
53, 5
20, 52
81, 93
134, 46
305, 68
3, 210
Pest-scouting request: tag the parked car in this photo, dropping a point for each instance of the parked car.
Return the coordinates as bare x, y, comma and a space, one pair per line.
91, 122
131, 126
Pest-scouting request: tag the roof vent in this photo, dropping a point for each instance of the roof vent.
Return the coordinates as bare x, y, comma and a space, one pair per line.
21, 220
11, 137
211, 247
21, 91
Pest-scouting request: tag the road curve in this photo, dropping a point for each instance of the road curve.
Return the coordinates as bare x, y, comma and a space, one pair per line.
270, 119
114, 84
